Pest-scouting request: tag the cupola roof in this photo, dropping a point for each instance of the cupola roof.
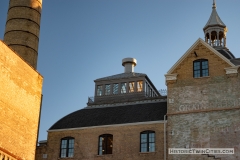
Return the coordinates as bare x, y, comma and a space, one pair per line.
214, 18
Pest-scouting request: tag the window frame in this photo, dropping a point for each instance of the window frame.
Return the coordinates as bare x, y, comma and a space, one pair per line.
105, 144
148, 132
107, 89
139, 86
67, 147
115, 89
131, 87
201, 69
99, 90
123, 87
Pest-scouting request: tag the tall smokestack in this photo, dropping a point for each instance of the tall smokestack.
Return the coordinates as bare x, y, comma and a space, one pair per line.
129, 64
23, 27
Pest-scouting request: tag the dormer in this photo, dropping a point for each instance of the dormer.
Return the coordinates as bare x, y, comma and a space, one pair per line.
124, 87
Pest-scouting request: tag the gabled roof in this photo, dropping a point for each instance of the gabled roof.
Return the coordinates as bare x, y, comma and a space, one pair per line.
192, 48
113, 115
122, 75
214, 18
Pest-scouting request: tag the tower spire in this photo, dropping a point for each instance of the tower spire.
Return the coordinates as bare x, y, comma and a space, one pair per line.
214, 4
215, 30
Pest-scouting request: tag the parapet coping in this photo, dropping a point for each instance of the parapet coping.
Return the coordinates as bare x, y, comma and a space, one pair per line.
126, 103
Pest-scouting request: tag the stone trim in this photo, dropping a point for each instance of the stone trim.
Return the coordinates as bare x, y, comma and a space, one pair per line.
170, 77
113, 125
201, 111
232, 70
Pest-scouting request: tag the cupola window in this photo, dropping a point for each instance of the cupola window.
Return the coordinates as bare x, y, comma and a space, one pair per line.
107, 89
139, 86
131, 87
99, 90
124, 87
115, 88
200, 68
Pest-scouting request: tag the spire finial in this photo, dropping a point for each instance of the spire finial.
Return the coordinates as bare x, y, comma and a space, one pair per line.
214, 4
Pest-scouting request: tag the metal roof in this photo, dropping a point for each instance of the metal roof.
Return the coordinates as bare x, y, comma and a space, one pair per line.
113, 115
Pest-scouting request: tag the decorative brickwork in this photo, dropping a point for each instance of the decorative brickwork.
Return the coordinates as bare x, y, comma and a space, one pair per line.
21, 88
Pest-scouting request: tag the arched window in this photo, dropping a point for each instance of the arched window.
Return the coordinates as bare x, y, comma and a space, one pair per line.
147, 143
67, 147
200, 68
105, 144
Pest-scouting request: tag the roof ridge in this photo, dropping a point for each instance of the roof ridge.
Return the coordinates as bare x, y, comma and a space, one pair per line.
121, 75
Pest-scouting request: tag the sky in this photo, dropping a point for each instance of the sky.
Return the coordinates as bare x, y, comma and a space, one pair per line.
83, 40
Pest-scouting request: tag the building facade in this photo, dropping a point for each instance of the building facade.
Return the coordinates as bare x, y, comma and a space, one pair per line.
20, 83
127, 117
124, 120
203, 95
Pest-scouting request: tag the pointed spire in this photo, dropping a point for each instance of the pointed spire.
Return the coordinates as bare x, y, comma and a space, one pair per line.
215, 30
214, 4
214, 18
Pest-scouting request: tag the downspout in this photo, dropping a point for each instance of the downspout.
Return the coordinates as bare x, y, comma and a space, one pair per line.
165, 137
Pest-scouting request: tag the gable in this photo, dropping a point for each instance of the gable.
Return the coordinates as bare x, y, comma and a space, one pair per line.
191, 51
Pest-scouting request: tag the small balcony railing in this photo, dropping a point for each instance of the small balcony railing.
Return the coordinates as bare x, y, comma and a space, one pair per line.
163, 92
5, 156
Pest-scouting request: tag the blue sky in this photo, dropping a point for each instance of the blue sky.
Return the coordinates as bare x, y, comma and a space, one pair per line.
82, 40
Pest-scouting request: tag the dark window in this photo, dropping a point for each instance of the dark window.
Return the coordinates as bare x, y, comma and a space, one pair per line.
147, 141
115, 88
99, 90
200, 68
107, 89
105, 144
67, 147
124, 87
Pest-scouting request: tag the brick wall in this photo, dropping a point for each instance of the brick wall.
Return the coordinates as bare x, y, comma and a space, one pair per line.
126, 143
204, 112
21, 88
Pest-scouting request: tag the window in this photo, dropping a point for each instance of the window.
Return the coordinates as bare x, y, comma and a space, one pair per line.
124, 87
200, 68
131, 87
105, 144
147, 141
115, 88
67, 147
107, 89
99, 90
139, 86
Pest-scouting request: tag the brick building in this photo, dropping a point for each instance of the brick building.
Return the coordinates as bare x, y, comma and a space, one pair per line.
126, 119
203, 95
20, 83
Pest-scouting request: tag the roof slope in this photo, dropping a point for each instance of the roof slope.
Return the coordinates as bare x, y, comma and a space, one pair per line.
113, 115
122, 75
226, 53
214, 19
192, 48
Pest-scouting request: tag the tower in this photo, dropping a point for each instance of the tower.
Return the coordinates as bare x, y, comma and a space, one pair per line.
215, 30
22, 28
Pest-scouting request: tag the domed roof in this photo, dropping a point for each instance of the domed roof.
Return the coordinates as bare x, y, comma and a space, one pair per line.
88, 117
